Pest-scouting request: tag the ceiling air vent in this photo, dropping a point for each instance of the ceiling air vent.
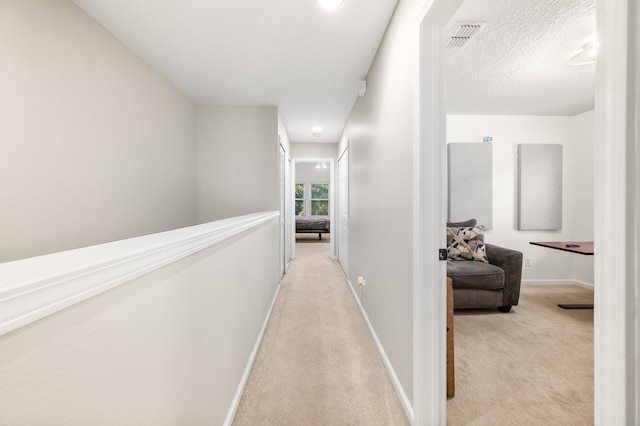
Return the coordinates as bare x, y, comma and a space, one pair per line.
463, 33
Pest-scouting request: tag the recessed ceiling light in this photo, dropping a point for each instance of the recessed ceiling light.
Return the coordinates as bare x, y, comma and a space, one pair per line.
588, 55
330, 4
316, 129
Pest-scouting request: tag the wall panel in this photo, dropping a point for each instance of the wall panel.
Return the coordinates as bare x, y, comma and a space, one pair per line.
539, 202
470, 173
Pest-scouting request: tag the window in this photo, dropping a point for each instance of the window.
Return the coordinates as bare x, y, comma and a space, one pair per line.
320, 199
311, 199
299, 199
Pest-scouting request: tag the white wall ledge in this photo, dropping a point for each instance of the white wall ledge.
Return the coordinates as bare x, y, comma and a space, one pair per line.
33, 288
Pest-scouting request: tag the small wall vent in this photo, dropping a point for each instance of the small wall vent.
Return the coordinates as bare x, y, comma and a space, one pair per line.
463, 33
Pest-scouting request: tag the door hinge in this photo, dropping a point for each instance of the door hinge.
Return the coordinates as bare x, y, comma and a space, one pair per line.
442, 253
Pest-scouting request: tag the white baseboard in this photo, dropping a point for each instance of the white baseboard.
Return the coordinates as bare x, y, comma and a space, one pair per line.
404, 400
231, 414
558, 282
583, 284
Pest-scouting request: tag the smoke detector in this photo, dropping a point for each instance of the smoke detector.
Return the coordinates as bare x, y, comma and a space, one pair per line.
463, 33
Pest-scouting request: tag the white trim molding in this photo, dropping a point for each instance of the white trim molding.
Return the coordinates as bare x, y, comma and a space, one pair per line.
33, 288
558, 282
633, 207
615, 318
402, 395
429, 214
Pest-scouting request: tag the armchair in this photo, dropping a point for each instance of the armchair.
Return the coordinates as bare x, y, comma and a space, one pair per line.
487, 285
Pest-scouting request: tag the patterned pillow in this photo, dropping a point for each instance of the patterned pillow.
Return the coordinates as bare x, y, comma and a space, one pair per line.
467, 223
466, 244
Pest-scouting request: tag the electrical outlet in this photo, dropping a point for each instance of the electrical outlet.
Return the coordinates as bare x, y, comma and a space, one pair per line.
527, 262
361, 282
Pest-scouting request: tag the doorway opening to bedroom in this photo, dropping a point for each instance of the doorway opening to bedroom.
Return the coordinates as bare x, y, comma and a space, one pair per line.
313, 203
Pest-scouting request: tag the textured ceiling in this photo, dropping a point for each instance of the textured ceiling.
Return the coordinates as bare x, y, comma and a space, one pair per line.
517, 64
286, 53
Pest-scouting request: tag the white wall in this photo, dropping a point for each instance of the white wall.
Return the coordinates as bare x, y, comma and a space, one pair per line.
313, 150
284, 136
94, 145
581, 163
307, 172
576, 134
379, 133
168, 348
237, 161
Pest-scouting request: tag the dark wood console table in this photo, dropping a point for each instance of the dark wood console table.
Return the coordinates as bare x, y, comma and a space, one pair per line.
578, 247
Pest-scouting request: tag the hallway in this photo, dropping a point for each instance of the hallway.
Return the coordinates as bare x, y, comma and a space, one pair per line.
317, 364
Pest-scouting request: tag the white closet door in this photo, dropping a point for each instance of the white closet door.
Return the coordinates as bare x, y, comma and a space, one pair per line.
343, 211
282, 210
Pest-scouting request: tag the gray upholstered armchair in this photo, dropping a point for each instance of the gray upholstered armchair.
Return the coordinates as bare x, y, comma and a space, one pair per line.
485, 285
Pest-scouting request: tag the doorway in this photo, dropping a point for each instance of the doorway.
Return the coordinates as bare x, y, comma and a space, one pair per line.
313, 197
616, 375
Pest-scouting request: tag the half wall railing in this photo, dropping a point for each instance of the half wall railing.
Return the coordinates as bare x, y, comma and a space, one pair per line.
158, 329
35, 287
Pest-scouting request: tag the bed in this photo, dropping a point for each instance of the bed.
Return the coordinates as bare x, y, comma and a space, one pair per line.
312, 225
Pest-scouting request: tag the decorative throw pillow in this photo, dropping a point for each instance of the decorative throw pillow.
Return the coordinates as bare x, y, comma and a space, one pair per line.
466, 243
466, 224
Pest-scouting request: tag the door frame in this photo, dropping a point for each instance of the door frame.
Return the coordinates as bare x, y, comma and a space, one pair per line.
339, 230
616, 216
616, 234
282, 178
429, 215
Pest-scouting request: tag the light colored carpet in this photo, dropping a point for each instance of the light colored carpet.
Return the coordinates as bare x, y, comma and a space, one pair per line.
532, 366
317, 364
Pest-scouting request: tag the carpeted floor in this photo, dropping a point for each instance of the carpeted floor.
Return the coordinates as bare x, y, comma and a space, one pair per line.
532, 366
317, 364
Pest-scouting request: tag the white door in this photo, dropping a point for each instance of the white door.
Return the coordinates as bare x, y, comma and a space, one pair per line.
289, 235
343, 211
282, 210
